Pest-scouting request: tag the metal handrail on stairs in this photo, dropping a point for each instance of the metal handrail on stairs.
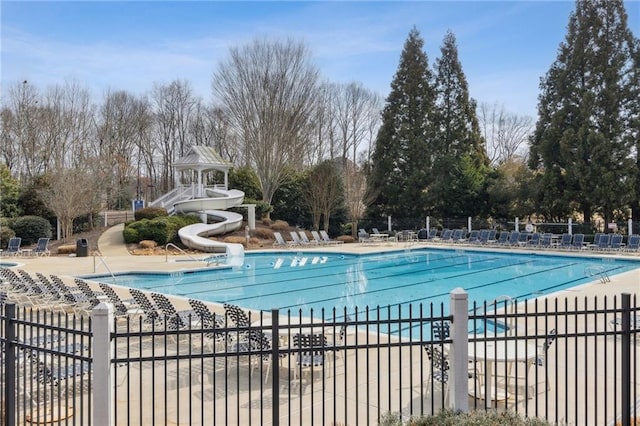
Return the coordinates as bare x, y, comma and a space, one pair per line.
97, 254
166, 253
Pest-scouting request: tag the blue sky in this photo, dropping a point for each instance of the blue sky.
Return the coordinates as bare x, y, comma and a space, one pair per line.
504, 46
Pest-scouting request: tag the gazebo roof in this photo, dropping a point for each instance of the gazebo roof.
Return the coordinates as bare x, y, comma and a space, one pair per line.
202, 158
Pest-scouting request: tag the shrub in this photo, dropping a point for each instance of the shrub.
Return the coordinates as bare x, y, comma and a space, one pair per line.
266, 221
475, 418
30, 228
346, 238
262, 233
280, 225
162, 230
6, 234
150, 213
131, 235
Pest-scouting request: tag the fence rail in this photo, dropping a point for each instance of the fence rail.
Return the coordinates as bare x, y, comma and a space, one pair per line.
570, 361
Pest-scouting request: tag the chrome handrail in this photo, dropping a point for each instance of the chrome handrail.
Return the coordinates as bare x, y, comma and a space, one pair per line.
102, 260
166, 253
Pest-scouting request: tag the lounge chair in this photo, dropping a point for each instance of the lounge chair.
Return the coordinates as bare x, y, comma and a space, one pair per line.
327, 240
491, 238
42, 249
458, 236
474, 237
296, 239
13, 248
546, 240
578, 241
281, 242
503, 238
317, 238
534, 241
178, 319
305, 240
565, 241
514, 238
615, 243
603, 242
433, 233
210, 321
120, 307
363, 236
633, 243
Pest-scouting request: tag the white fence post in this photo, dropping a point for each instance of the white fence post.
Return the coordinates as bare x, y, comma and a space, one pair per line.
469, 223
630, 227
459, 352
428, 223
517, 228
570, 226
103, 378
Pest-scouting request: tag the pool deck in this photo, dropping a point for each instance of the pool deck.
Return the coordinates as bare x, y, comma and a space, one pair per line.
115, 258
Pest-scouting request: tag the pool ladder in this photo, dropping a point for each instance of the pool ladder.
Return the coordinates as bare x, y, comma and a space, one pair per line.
598, 271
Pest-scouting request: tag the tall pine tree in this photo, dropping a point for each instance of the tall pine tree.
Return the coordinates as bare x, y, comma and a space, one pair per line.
401, 160
460, 163
582, 144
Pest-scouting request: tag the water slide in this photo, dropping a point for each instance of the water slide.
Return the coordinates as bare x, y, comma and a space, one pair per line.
213, 205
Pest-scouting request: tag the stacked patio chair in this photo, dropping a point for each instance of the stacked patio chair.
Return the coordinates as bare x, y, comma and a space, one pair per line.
603, 242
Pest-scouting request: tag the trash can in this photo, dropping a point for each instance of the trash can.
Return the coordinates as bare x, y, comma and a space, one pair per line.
82, 247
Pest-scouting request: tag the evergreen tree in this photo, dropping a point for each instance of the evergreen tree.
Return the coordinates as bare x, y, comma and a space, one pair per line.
633, 132
401, 159
460, 163
582, 143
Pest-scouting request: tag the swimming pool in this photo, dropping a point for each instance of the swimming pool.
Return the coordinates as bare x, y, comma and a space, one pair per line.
314, 280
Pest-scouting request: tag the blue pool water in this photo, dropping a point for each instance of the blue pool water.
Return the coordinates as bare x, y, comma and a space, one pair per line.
305, 280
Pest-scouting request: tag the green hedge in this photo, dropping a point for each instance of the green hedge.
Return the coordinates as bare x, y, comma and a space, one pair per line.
150, 213
162, 229
30, 228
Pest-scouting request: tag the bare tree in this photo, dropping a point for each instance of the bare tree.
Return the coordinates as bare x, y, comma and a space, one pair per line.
268, 91
356, 196
355, 108
72, 193
324, 193
174, 104
118, 131
505, 134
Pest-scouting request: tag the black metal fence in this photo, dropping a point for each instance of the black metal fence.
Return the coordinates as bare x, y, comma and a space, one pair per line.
570, 361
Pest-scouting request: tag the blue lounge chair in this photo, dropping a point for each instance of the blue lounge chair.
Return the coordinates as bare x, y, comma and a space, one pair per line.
42, 249
565, 241
578, 241
534, 241
546, 241
13, 248
603, 242
514, 237
633, 243
615, 242
503, 238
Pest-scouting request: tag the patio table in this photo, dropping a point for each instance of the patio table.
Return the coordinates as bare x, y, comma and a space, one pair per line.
489, 353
